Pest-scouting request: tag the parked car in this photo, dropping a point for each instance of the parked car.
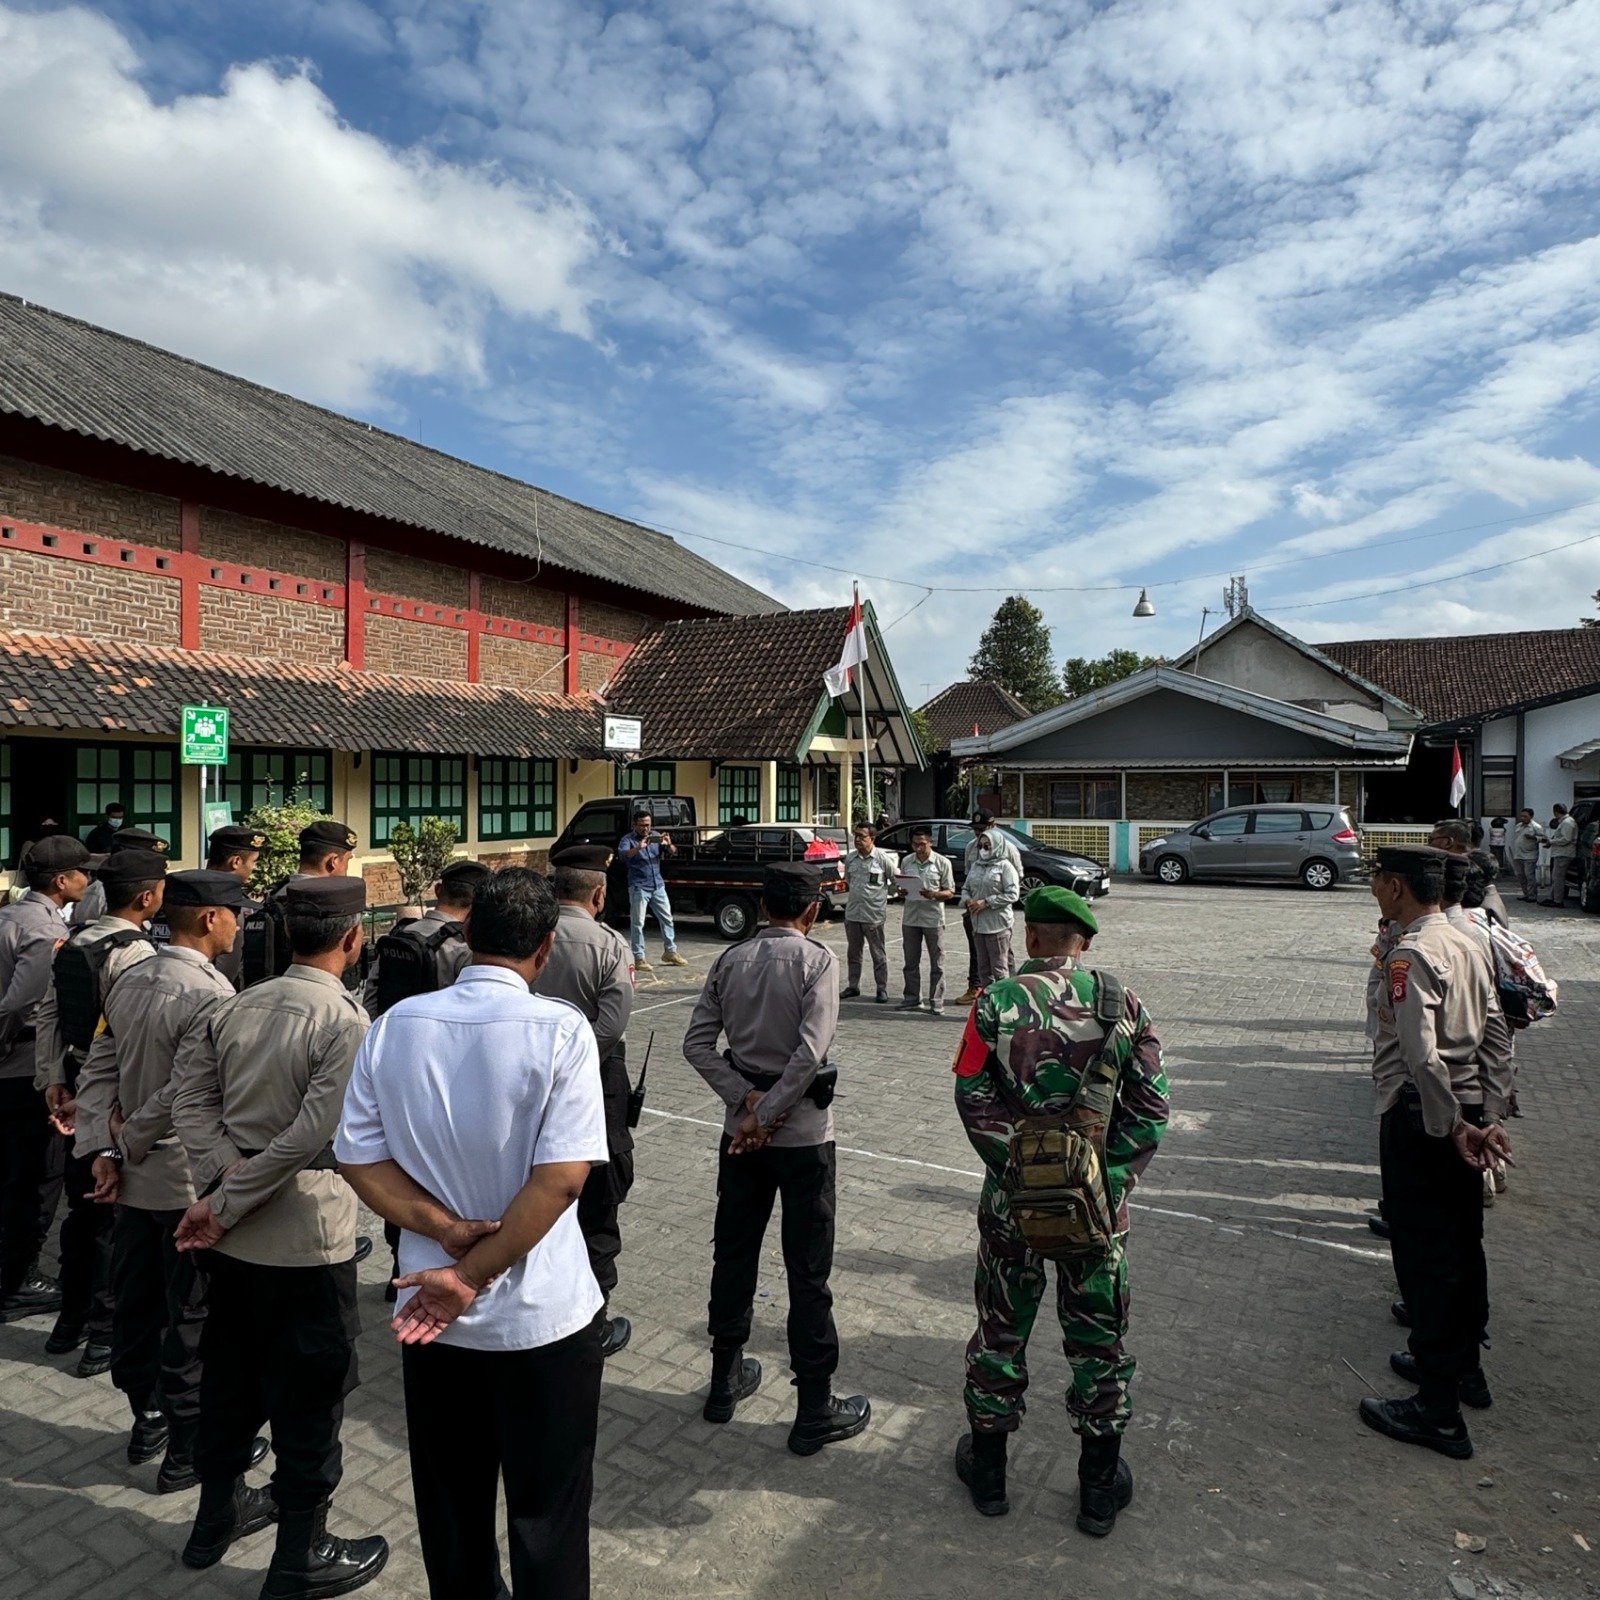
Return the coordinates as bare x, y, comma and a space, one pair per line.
1041, 863
1318, 844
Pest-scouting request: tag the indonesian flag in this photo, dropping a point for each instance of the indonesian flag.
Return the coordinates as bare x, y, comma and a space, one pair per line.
853, 654
1458, 779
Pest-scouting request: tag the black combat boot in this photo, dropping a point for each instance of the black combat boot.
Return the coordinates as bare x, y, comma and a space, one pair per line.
228, 1511
1473, 1388
65, 1337
734, 1377
148, 1438
823, 1418
981, 1465
35, 1296
96, 1358
1105, 1483
178, 1471
309, 1563
1433, 1420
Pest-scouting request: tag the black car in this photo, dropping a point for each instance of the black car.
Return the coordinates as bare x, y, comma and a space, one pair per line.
1041, 863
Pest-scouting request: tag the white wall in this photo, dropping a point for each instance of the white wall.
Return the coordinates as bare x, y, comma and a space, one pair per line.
1546, 734
1500, 737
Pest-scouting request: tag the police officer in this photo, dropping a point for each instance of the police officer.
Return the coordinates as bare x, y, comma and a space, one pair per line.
235, 849
591, 967
775, 998
92, 906
94, 958
433, 944
1436, 1138
55, 869
325, 851
156, 1011
1031, 1041
256, 1103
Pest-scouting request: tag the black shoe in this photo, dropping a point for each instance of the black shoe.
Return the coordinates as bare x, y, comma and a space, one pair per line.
851, 992
1473, 1389
883, 997
1379, 1226
1397, 1310
984, 1471
227, 1513
828, 1424
36, 1297
1105, 1484
148, 1439
618, 1332
178, 1469
363, 1249
1412, 1423
309, 1563
96, 1358
734, 1377
64, 1338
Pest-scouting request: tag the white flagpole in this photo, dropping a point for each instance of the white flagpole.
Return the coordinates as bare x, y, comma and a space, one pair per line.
866, 758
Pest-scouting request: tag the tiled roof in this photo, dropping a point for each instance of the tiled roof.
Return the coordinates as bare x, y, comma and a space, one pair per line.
52, 681
1460, 678
72, 375
951, 715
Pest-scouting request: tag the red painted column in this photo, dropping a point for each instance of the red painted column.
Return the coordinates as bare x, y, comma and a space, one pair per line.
189, 575
474, 626
355, 604
573, 679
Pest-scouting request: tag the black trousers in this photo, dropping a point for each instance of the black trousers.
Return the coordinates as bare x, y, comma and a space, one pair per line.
278, 1347
972, 950
747, 1186
85, 1270
28, 1191
160, 1312
605, 1190
1433, 1202
524, 1418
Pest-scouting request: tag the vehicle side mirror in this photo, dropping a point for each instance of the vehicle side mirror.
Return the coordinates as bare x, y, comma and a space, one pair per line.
1202, 833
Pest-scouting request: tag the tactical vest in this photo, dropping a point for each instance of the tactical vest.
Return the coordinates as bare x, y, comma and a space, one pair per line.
412, 959
265, 946
79, 972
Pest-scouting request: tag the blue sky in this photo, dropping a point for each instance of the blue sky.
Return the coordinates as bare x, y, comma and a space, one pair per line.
972, 295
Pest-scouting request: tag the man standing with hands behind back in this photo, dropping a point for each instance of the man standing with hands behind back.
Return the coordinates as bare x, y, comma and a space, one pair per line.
647, 889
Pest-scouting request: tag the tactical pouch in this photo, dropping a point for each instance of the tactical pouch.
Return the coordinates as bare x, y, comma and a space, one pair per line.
820, 1091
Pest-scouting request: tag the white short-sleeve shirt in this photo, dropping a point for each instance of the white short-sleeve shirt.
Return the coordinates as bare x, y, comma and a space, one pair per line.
468, 1089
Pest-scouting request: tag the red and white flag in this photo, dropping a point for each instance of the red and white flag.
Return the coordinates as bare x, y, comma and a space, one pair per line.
853, 654
1458, 779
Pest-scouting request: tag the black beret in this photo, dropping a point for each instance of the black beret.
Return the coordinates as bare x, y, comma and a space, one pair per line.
205, 889
793, 880
132, 866
1410, 857
235, 837
325, 897
465, 874
583, 858
328, 836
57, 852
138, 839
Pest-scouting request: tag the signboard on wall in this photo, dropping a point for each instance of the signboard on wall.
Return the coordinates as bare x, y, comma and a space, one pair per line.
624, 734
203, 741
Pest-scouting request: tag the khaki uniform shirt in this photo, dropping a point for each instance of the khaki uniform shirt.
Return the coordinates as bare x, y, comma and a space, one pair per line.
937, 872
156, 1013
775, 998
50, 1051
1432, 1011
1496, 1050
869, 879
268, 1074
31, 930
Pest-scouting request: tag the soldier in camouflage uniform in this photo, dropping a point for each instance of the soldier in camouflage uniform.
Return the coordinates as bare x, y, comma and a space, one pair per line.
1028, 1041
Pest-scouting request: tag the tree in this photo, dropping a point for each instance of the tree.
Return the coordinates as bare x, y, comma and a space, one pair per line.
421, 854
1592, 622
1015, 653
280, 855
1082, 676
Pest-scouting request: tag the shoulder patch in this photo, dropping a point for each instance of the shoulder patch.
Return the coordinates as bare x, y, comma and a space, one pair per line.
1399, 979
972, 1053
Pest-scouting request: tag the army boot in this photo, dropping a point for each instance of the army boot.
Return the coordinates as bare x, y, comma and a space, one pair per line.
1105, 1483
1473, 1389
309, 1563
981, 1465
149, 1436
823, 1418
734, 1377
1430, 1419
228, 1511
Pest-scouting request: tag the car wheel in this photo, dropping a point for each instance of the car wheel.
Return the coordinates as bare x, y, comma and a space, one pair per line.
1172, 869
1319, 875
1031, 881
734, 916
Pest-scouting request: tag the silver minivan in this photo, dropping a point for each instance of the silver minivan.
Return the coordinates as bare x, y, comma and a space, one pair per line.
1318, 844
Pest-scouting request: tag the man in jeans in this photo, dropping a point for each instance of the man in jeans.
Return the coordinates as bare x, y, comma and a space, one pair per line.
922, 921
647, 889
868, 873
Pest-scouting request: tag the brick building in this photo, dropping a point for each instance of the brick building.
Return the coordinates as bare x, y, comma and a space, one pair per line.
396, 633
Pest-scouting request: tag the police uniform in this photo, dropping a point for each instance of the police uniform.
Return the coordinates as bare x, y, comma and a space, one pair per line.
263, 944
235, 839
257, 1103
93, 904
591, 967
775, 999
154, 1016
1028, 1043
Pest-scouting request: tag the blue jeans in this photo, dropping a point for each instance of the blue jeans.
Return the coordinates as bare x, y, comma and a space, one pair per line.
641, 900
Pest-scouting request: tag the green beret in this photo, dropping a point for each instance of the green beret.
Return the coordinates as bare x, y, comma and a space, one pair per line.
1048, 903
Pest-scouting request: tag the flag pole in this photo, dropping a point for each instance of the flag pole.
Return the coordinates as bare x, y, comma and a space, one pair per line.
866, 758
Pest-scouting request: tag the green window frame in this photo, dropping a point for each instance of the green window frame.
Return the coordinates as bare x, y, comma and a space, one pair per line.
647, 777
144, 777
738, 794
788, 794
407, 788
516, 799
266, 775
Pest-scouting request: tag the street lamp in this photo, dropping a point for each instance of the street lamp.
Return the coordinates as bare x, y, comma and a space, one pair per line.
1145, 607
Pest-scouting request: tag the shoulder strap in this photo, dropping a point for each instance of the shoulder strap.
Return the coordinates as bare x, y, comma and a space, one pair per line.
1097, 1088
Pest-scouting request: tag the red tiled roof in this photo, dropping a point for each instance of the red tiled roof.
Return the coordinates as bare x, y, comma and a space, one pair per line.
55, 681
1460, 678
952, 713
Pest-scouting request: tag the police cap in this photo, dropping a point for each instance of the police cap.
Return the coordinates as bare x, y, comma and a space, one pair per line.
791, 883
328, 835
583, 858
1410, 858
138, 839
1051, 903
57, 852
235, 837
325, 897
132, 866
205, 889
982, 818
465, 875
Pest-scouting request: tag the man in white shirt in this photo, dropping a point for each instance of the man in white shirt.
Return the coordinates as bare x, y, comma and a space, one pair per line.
483, 1101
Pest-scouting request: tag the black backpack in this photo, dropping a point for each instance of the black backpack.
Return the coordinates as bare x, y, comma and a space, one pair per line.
79, 971
265, 953
411, 961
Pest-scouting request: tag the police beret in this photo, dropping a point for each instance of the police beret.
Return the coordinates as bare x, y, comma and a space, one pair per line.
205, 889
1410, 858
792, 881
325, 897
132, 866
57, 852
583, 858
1051, 903
138, 839
235, 837
328, 836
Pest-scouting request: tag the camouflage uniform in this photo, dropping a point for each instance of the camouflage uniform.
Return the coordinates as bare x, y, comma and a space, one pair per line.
1027, 1041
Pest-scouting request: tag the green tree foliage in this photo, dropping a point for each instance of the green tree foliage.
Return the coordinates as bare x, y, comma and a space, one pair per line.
421, 855
1081, 676
1592, 622
1015, 653
919, 726
280, 855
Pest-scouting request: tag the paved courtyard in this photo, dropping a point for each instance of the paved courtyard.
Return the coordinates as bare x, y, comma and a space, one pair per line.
1259, 1319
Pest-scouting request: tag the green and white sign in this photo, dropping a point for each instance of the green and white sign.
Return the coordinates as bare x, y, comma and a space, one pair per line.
204, 740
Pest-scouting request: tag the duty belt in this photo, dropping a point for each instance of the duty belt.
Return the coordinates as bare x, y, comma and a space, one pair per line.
323, 1161
820, 1092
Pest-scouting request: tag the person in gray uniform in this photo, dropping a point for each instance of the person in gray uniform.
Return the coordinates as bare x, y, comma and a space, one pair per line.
591, 967
426, 953
92, 905
775, 999
235, 850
